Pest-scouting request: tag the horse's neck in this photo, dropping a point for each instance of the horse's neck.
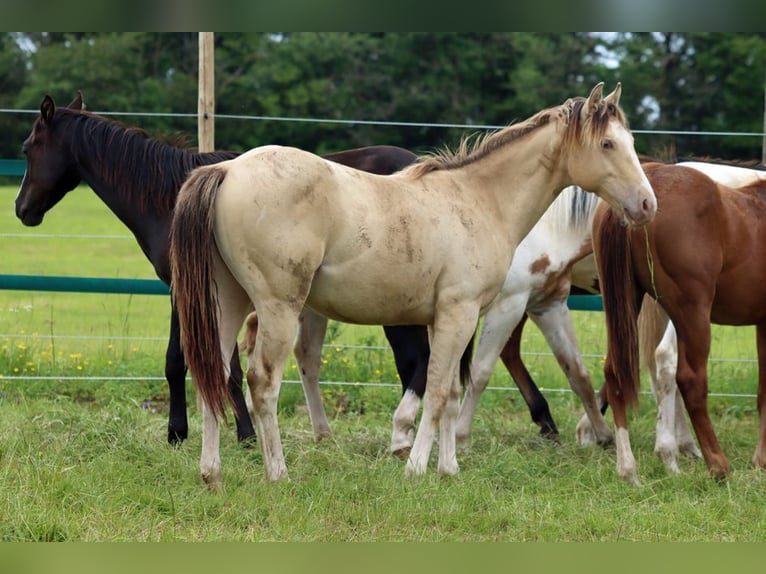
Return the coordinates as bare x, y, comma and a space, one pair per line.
522, 178
118, 185
136, 194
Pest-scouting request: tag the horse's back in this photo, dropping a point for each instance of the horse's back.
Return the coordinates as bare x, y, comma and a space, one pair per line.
704, 237
730, 175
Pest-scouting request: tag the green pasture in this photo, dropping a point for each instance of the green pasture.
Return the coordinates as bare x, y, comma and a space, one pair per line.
82, 432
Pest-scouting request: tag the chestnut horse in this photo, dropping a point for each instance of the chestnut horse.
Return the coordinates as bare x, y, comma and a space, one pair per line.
698, 259
429, 245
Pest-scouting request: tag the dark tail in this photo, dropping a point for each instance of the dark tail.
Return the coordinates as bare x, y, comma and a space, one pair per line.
611, 246
192, 249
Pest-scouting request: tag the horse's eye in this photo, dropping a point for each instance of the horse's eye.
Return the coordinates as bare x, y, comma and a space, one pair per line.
607, 144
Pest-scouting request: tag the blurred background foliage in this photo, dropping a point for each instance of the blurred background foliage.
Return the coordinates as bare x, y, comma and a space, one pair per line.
671, 81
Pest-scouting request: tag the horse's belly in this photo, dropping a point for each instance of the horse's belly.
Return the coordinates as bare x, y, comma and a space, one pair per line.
372, 298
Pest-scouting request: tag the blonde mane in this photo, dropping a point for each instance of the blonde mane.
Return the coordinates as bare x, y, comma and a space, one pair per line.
475, 147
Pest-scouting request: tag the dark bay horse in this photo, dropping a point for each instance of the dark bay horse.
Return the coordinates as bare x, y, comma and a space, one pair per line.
701, 259
430, 245
138, 178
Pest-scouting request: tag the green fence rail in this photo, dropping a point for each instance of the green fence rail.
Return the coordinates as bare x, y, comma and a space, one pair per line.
12, 167
83, 284
157, 287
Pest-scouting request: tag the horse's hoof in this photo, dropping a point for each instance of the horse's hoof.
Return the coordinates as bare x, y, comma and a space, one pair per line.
319, 436
606, 443
248, 442
402, 453
212, 481
549, 435
176, 438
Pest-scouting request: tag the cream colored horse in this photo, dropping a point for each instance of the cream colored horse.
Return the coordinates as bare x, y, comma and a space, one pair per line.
283, 228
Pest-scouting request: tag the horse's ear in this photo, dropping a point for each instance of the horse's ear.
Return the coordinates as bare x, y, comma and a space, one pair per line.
47, 109
77, 103
614, 97
594, 99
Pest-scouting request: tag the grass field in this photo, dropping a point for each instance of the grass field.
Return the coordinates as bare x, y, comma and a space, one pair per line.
83, 454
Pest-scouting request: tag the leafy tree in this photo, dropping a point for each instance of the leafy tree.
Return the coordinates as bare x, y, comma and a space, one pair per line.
13, 75
696, 82
672, 81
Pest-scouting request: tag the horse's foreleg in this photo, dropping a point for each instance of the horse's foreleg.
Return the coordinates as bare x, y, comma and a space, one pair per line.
691, 378
759, 457
411, 349
499, 322
555, 322
175, 373
308, 355
454, 325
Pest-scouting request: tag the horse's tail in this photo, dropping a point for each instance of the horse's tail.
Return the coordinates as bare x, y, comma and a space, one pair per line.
611, 246
192, 253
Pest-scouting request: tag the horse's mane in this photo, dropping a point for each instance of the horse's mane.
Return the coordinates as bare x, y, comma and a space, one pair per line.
572, 209
474, 147
145, 170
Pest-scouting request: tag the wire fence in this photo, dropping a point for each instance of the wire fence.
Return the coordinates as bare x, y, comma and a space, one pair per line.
382, 123
238, 117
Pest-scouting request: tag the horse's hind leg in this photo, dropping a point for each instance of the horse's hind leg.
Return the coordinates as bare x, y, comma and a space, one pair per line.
308, 355
175, 373
499, 323
278, 323
673, 434
626, 462
233, 304
662, 372
555, 322
759, 457
536, 403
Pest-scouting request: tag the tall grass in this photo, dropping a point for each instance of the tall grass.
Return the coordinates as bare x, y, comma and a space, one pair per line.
83, 453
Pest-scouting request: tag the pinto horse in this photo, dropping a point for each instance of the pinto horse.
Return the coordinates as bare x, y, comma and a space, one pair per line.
698, 259
429, 245
138, 178
657, 338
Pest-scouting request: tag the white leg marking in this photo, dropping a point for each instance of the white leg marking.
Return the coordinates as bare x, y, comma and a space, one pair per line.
403, 431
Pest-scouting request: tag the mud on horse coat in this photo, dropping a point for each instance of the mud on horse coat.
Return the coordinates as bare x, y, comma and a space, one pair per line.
377, 255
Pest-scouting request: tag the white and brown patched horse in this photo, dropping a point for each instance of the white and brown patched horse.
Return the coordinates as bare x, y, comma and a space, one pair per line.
282, 229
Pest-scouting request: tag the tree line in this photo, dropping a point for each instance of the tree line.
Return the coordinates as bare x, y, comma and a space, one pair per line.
672, 82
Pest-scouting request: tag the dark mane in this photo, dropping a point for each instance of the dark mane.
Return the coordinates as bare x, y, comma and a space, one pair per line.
474, 148
147, 171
